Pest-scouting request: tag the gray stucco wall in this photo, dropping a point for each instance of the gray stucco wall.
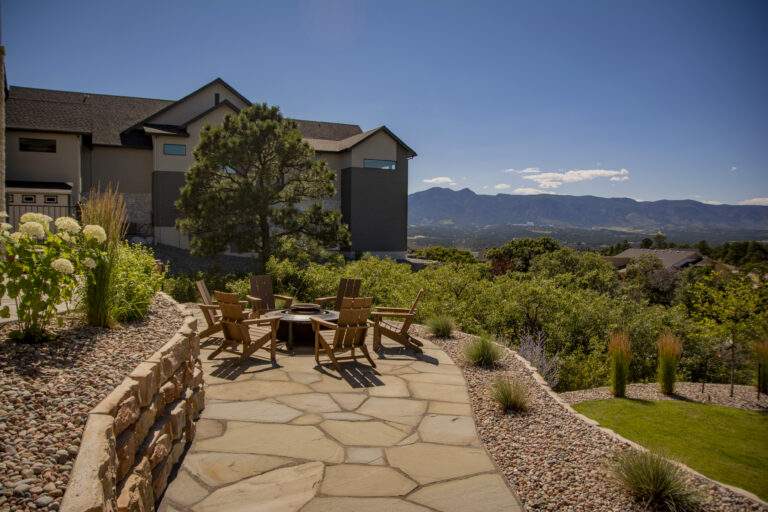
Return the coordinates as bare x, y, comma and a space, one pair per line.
374, 203
165, 187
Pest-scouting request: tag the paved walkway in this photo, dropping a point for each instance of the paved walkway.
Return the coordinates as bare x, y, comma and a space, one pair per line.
292, 438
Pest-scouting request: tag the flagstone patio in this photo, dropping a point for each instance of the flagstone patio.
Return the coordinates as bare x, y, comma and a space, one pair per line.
397, 439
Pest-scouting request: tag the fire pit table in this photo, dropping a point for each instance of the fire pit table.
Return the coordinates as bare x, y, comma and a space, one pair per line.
295, 326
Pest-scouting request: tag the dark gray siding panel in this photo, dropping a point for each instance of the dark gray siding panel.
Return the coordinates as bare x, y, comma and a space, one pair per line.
374, 203
165, 191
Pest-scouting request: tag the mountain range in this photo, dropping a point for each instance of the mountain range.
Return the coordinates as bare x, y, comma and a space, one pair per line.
466, 209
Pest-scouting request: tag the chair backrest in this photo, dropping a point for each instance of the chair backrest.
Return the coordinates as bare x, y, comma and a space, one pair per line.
416, 302
229, 304
205, 295
261, 288
348, 287
353, 322
408, 321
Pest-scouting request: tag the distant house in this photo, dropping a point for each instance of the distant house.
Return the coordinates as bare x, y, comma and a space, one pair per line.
672, 259
59, 144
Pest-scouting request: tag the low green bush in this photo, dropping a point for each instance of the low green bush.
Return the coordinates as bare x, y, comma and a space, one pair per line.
511, 394
482, 351
181, 288
135, 281
441, 326
619, 355
654, 481
669, 354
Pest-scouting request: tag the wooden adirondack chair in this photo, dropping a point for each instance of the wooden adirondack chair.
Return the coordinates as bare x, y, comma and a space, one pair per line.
396, 331
346, 335
209, 309
239, 329
348, 287
262, 298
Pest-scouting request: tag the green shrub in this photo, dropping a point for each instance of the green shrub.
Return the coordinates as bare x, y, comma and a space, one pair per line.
669, 354
482, 351
441, 326
511, 394
444, 254
136, 278
654, 481
619, 355
181, 287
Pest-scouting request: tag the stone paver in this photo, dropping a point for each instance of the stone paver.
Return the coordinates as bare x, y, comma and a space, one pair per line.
397, 439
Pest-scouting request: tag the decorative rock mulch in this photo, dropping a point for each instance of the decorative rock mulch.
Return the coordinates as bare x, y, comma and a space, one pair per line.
47, 390
744, 397
552, 459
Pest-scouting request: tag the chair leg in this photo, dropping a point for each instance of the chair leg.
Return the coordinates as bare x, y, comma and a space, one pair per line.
317, 349
376, 338
367, 355
334, 361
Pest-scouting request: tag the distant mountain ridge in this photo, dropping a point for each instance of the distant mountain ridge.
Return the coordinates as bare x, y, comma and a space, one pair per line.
464, 208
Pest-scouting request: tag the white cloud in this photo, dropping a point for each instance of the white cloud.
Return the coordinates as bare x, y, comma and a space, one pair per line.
760, 201
556, 179
709, 201
528, 191
440, 180
734, 168
502, 186
527, 170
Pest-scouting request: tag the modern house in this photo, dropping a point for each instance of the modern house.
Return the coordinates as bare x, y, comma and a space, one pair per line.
671, 259
60, 144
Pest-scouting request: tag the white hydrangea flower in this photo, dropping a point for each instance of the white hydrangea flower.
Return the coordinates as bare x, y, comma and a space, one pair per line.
95, 232
33, 229
68, 224
18, 235
3, 215
89, 263
63, 265
65, 236
40, 218
5, 227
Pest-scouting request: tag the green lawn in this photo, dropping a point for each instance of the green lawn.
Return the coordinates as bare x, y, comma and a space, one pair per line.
724, 443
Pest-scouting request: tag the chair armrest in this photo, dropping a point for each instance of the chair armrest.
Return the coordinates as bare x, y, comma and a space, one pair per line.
324, 323
260, 321
393, 314
324, 300
286, 298
213, 307
254, 300
379, 309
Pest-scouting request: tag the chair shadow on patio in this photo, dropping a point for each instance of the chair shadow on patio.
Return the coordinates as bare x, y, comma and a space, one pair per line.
400, 352
232, 368
356, 374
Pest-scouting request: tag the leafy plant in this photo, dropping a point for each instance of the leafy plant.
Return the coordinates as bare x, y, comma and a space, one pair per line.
444, 254
619, 355
105, 208
482, 351
136, 279
181, 287
39, 269
511, 394
761, 353
441, 326
654, 481
670, 349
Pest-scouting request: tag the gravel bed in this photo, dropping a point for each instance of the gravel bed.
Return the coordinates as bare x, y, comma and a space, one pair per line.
553, 460
744, 397
47, 390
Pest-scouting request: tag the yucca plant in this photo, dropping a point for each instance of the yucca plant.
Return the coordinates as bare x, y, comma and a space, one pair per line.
761, 353
107, 209
670, 349
511, 394
482, 351
619, 355
441, 326
654, 481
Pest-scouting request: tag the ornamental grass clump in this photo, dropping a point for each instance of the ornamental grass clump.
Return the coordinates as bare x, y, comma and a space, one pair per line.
670, 349
655, 482
619, 355
511, 394
104, 208
761, 353
441, 326
40, 268
482, 351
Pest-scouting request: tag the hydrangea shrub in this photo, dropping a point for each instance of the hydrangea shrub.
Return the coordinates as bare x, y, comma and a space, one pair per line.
40, 267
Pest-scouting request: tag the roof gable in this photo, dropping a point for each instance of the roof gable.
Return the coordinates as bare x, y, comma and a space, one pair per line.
350, 142
200, 100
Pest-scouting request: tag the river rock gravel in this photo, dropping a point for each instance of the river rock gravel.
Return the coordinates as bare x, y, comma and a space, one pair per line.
554, 460
46, 391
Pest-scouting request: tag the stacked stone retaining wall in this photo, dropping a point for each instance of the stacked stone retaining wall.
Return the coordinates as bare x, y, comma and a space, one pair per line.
136, 435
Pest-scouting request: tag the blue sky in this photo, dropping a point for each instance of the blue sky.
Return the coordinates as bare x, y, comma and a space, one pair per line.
650, 100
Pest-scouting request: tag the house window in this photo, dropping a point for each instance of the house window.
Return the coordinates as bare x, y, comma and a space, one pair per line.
388, 165
37, 145
28, 199
174, 149
51, 200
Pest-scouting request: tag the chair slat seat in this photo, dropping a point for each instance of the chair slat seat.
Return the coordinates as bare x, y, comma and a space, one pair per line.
347, 335
240, 329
